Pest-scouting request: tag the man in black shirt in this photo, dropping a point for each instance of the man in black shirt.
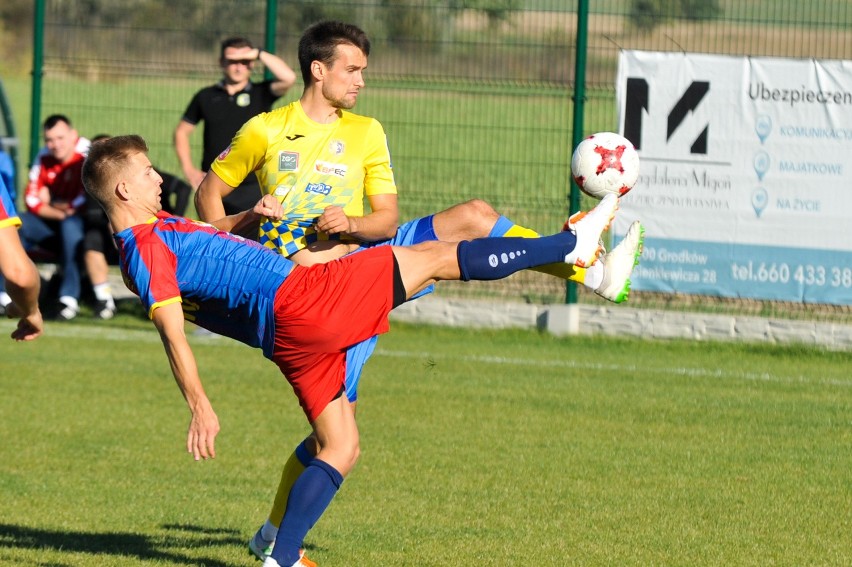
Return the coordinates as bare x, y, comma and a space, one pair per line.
225, 107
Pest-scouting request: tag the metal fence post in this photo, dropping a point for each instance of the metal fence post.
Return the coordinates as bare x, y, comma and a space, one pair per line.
271, 29
579, 99
38, 63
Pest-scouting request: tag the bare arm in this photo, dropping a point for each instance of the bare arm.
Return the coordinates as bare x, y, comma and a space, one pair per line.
208, 198
184, 153
240, 223
53, 212
379, 224
22, 285
204, 424
284, 75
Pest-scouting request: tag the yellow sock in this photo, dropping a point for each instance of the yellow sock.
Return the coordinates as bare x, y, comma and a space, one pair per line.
293, 468
564, 271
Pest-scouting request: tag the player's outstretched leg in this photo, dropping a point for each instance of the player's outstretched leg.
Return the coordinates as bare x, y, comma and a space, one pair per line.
610, 276
496, 258
472, 220
459, 221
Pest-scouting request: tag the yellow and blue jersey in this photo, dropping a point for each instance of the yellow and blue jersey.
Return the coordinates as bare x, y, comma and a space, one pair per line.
308, 166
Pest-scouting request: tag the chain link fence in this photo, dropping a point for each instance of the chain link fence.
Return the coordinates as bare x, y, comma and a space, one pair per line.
475, 95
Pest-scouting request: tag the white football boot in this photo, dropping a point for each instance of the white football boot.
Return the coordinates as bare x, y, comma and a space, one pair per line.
588, 226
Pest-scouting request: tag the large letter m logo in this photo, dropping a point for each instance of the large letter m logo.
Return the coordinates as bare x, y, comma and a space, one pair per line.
636, 106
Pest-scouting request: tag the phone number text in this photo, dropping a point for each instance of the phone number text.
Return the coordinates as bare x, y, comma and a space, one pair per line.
803, 274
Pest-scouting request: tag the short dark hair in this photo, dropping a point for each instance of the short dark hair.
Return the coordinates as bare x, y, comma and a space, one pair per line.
320, 41
105, 160
55, 119
235, 41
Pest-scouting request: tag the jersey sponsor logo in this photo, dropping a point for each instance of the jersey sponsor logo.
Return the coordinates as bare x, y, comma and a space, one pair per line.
288, 161
243, 99
328, 168
321, 188
337, 147
224, 153
294, 137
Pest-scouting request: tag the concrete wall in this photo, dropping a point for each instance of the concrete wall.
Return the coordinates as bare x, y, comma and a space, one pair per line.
619, 320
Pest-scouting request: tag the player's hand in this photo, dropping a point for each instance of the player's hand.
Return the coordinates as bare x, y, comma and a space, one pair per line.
269, 207
203, 428
333, 221
29, 327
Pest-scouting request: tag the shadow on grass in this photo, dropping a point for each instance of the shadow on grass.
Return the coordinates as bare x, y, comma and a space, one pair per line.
155, 547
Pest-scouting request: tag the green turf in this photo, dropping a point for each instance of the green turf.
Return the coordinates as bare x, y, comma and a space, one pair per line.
479, 448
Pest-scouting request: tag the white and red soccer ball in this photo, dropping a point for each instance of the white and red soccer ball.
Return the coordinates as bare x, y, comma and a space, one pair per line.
605, 163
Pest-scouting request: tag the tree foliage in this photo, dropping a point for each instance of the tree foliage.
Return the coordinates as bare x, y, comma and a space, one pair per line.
648, 14
403, 22
497, 11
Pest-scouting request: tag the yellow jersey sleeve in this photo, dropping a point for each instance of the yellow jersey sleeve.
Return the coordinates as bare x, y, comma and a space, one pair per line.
378, 171
246, 153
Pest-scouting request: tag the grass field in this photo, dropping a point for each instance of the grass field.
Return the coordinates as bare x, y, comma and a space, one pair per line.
479, 448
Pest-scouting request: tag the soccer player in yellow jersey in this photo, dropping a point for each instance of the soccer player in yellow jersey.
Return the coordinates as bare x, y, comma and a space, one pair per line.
317, 158
311, 166
321, 161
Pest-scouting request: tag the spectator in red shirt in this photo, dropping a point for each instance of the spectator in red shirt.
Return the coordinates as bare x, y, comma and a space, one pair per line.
54, 198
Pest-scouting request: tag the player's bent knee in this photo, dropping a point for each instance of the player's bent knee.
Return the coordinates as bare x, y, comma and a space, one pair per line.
480, 207
479, 218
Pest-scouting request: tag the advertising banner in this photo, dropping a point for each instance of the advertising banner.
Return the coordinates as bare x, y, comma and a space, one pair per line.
746, 181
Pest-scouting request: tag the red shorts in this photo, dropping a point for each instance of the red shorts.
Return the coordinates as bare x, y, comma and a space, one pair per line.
323, 309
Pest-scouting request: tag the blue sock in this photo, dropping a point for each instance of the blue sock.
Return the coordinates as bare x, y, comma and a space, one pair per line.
309, 497
303, 454
496, 258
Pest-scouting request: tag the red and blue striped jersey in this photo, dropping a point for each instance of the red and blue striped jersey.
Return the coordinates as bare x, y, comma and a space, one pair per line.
226, 284
8, 214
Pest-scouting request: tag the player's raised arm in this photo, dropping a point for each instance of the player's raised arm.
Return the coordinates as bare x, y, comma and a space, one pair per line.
204, 424
285, 77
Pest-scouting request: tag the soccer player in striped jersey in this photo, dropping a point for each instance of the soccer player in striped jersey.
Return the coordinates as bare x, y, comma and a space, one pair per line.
302, 318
